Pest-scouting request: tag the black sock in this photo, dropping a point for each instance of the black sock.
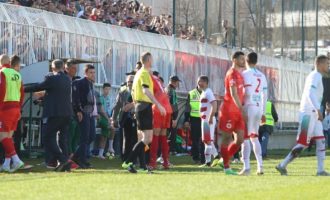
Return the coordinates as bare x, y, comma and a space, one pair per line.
135, 152
142, 159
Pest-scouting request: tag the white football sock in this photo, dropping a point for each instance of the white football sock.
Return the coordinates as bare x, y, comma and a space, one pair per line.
214, 151
15, 159
101, 151
320, 154
208, 153
246, 151
111, 146
257, 152
296, 150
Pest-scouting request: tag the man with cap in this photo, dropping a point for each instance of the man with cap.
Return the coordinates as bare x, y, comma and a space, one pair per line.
171, 92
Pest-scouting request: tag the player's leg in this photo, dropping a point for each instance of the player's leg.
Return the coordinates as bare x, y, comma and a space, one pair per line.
154, 148
320, 149
246, 151
254, 134
206, 138
164, 148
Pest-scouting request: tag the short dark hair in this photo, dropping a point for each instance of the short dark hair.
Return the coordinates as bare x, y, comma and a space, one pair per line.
88, 67
204, 78
155, 73
106, 85
252, 58
321, 58
145, 57
161, 79
58, 63
15, 60
237, 54
70, 62
138, 65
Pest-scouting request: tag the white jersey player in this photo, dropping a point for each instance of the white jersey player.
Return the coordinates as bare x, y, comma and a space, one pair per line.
310, 119
208, 107
255, 97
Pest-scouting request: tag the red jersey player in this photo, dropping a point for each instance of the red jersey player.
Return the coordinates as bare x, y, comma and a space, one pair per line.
11, 99
231, 115
160, 125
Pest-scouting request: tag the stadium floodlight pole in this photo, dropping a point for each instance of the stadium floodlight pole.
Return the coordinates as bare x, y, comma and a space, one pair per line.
282, 28
317, 28
234, 24
173, 17
302, 31
205, 20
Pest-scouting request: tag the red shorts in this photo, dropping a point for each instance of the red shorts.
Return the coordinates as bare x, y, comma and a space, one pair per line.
162, 122
9, 119
230, 122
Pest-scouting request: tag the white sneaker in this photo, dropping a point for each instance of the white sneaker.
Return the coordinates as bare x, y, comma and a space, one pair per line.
260, 172
235, 161
244, 172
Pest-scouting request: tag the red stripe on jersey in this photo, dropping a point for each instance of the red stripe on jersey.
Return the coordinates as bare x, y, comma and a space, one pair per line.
204, 100
247, 85
203, 117
203, 109
318, 137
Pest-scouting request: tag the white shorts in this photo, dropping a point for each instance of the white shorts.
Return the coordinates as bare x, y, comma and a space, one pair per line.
309, 128
254, 115
208, 130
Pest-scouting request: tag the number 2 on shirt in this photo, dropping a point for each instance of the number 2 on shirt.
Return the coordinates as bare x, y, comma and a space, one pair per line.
259, 81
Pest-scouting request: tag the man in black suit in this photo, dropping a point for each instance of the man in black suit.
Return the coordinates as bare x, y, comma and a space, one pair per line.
84, 103
57, 111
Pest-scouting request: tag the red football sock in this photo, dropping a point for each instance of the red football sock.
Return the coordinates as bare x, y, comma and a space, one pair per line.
154, 150
165, 149
232, 149
225, 155
9, 147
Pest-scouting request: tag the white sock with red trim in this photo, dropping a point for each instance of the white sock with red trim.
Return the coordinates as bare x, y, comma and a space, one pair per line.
257, 151
214, 151
246, 151
208, 153
320, 154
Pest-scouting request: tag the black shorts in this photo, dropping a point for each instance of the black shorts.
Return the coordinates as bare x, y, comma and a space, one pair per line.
143, 113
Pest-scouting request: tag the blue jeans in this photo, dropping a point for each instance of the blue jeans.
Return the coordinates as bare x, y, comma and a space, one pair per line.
327, 137
264, 143
87, 136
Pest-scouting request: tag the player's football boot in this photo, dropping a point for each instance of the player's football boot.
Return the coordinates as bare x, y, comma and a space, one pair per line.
131, 169
229, 171
17, 166
215, 162
245, 172
260, 172
323, 173
282, 170
206, 165
4, 169
126, 165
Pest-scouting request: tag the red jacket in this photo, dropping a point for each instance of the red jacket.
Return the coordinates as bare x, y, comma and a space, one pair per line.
9, 104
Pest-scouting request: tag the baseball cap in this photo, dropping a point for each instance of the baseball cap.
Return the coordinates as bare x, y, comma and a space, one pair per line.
175, 78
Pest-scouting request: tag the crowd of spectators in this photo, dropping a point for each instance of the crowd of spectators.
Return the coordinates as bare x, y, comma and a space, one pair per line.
126, 13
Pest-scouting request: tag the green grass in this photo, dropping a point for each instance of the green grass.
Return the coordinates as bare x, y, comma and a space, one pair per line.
184, 181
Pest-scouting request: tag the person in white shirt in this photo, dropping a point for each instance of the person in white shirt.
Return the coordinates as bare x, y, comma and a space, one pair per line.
255, 98
208, 107
326, 123
310, 118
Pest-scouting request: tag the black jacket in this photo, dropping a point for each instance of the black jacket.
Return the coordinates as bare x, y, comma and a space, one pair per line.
83, 95
57, 99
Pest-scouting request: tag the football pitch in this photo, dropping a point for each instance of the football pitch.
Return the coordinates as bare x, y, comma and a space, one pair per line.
184, 181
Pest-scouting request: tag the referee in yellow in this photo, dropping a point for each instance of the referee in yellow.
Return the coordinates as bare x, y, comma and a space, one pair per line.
143, 97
